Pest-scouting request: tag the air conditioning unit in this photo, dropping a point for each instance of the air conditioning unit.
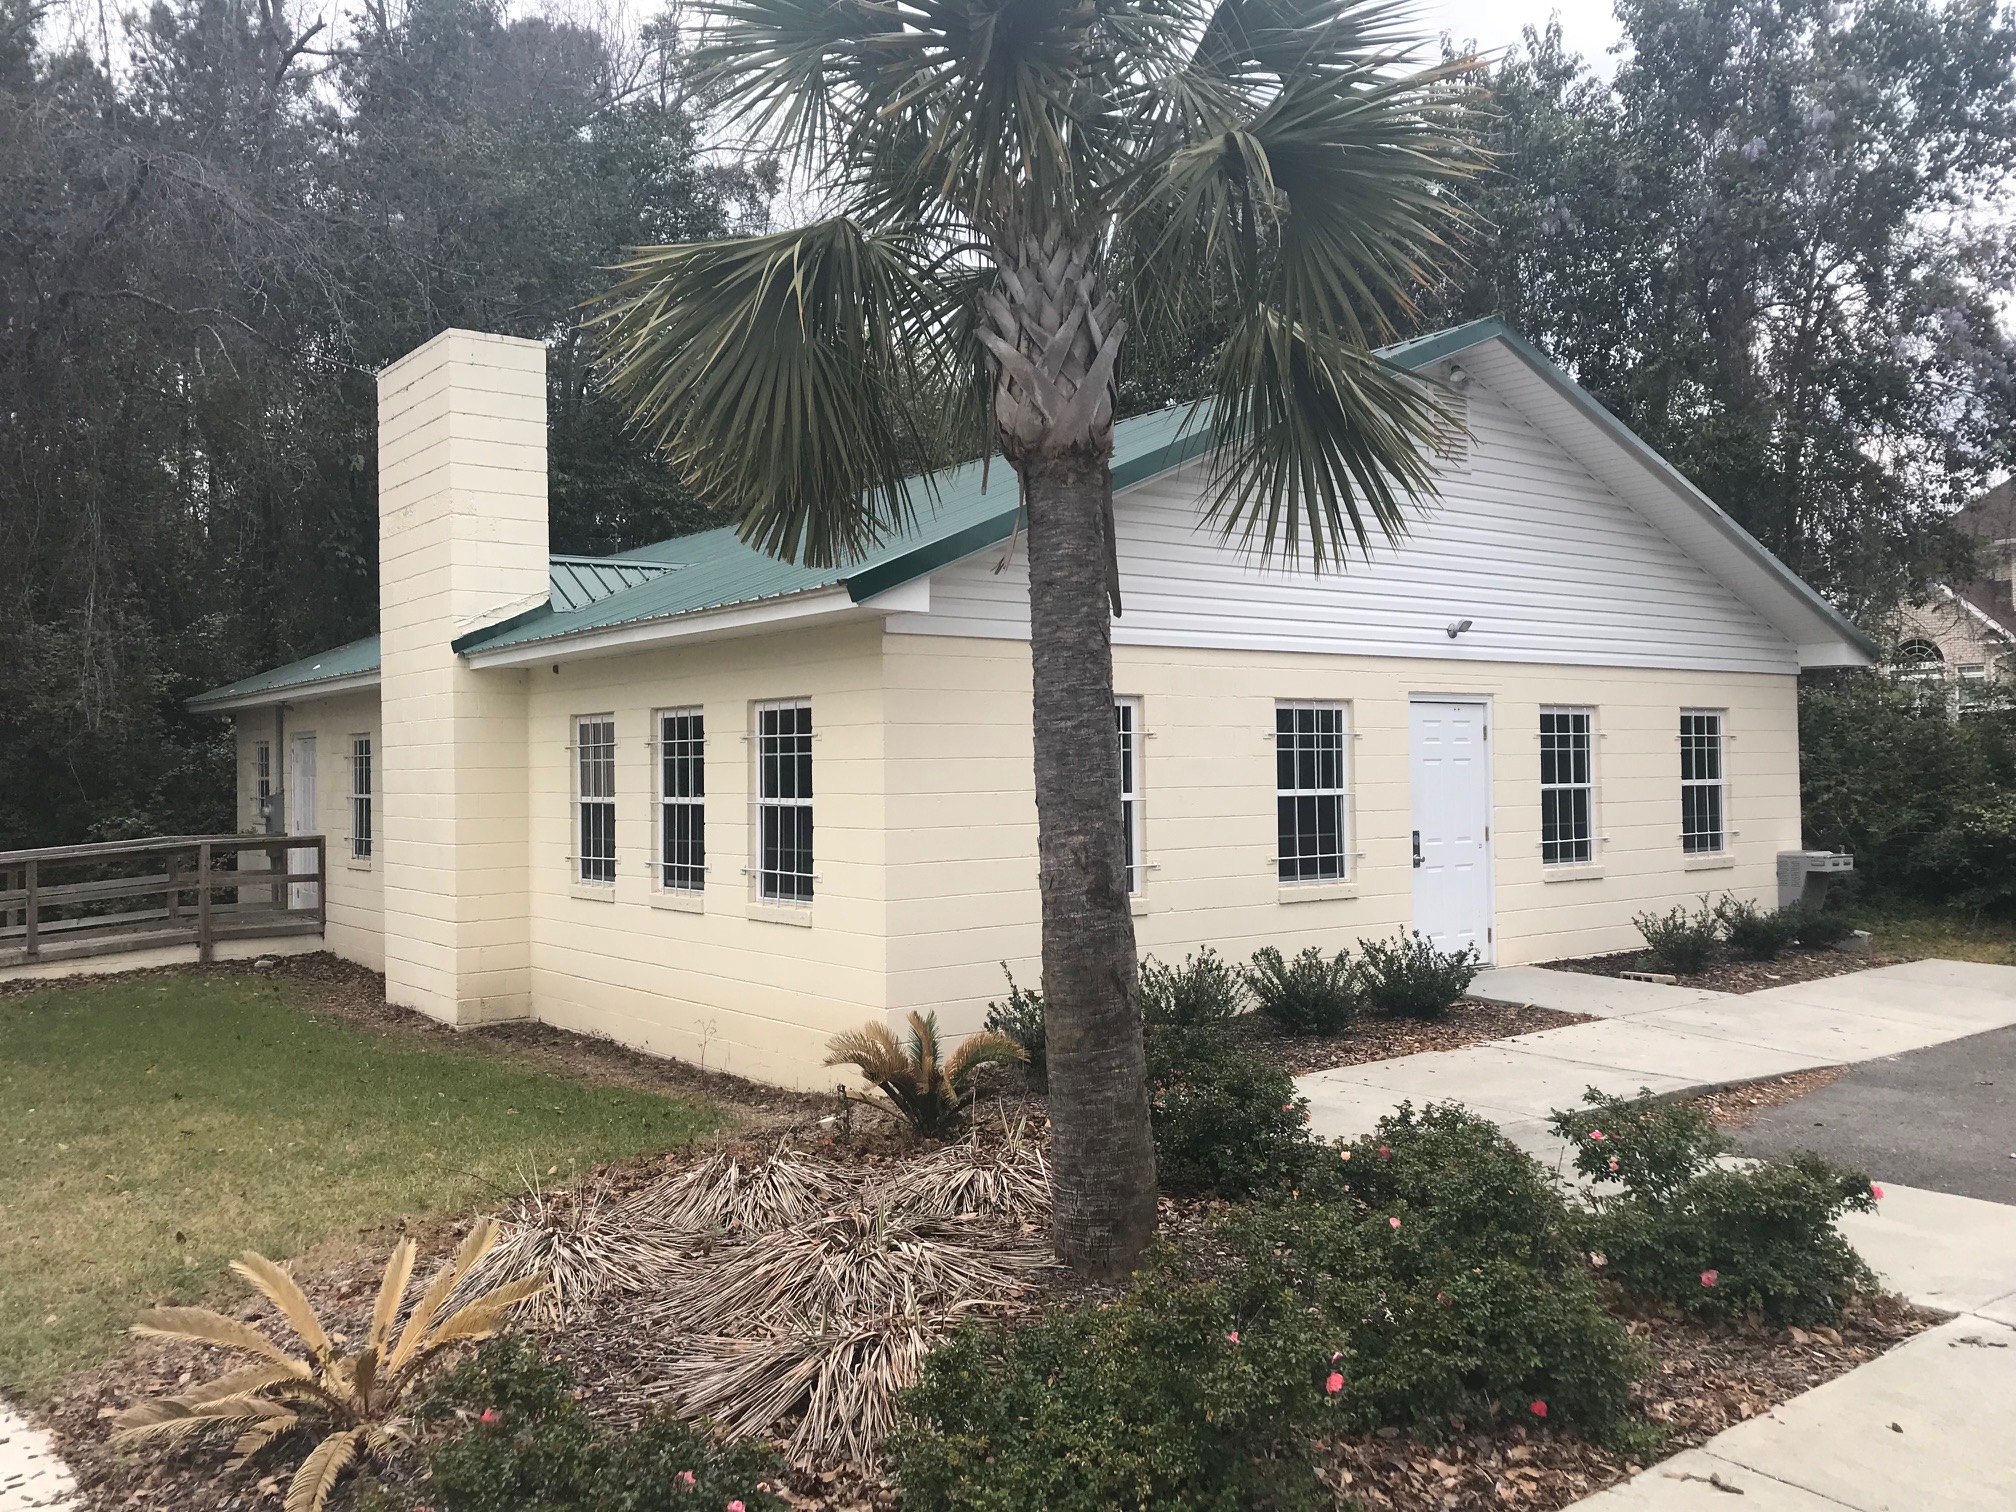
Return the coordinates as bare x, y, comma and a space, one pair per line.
1804, 875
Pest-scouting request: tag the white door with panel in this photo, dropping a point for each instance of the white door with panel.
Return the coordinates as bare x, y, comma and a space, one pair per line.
1450, 765
301, 818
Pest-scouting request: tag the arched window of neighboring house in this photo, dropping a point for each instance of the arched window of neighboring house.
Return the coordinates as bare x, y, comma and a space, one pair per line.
1918, 653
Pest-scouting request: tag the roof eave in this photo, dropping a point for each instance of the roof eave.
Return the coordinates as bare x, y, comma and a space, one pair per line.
224, 702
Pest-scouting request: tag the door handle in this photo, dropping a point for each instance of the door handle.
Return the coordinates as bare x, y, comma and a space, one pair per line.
1417, 847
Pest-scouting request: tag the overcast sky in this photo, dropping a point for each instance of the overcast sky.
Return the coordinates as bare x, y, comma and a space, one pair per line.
1587, 26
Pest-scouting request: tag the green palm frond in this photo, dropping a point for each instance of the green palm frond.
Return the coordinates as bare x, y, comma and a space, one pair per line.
805, 347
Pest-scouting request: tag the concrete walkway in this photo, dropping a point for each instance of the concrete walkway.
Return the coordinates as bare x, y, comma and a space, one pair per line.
32, 1478
1666, 1039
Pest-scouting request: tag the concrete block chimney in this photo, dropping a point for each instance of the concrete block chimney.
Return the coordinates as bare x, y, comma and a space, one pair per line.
462, 542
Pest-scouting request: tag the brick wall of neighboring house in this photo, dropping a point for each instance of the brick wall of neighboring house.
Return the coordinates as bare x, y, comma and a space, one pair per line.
1971, 624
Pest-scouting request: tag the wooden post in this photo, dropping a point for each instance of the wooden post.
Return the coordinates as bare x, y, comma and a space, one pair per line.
204, 944
322, 884
174, 889
32, 914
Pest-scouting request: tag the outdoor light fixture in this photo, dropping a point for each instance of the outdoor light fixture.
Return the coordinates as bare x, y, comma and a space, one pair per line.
1457, 627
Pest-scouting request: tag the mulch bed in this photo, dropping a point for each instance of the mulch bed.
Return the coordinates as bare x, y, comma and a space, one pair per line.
1376, 1039
1735, 1107
1795, 965
1706, 1378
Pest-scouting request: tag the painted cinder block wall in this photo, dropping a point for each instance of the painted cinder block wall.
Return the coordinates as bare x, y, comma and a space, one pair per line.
462, 542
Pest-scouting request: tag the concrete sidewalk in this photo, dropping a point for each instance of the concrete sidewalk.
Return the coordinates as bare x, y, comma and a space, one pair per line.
32, 1478
1667, 1040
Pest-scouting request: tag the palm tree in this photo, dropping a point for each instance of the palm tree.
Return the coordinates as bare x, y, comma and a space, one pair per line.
1022, 187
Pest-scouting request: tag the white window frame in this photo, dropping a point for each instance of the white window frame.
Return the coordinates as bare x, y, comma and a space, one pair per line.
1579, 850
1129, 732
596, 867
775, 885
1718, 784
360, 797
682, 816
1305, 784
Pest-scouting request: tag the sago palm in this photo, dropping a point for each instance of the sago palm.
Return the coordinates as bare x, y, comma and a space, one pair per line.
1018, 189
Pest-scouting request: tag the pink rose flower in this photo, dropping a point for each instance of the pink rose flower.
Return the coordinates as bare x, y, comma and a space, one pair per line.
1597, 1135
1710, 1277
1538, 1408
490, 1415
736, 1506
1335, 1384
1394, 1221
1875, 1191
686, 1478
1233, 1336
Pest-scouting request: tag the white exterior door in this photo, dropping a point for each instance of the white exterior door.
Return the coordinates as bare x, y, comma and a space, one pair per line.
301, 818
1451, 774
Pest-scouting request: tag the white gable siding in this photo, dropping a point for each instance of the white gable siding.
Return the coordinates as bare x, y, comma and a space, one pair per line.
1549, 565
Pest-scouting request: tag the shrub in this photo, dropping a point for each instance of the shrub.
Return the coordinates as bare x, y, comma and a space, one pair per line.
1226, 1119
1411, 978
518, 1441
931, 1093
1203, 990
356, 1399
1308, 995
1719, 1242
1681, 941
1021, 1020
1822, 928
1187, 1395
1757, 934
1438, 1322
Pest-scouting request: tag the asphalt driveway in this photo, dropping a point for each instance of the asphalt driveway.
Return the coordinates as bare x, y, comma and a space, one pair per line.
1943, 1118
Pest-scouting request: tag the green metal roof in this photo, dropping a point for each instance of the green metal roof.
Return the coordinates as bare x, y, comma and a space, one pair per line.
954, 518
358, 659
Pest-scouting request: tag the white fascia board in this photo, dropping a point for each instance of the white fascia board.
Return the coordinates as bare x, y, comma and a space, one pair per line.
305, 693
815, 606
1670, 503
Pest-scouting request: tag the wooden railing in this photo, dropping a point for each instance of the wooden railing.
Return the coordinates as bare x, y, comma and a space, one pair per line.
67, 901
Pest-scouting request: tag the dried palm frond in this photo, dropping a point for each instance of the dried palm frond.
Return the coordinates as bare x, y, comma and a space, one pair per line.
852, 1264
356, 1396
1009, 1181
582, 1243
931, 1092
784, 1187
843, 1378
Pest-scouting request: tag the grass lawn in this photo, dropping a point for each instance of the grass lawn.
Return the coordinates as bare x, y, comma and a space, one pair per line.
1951, 933
157, 1126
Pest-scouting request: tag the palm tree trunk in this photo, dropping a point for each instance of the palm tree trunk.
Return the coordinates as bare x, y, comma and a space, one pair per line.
1102, 1154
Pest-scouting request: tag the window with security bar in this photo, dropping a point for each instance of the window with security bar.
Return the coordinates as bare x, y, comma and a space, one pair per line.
262, 768
360, 797
1702, 797
1310, 792
1567, 788
595, 797
784, 802
682, 794
1127, 725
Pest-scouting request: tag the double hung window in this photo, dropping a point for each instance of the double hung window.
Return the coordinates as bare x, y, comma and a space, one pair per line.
682, 793
1702, 805
1127, 725
595, 797
360, 797
784, 802
1309, 792
1567, 788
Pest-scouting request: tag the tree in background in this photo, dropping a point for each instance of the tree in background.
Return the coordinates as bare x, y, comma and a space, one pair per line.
1019, 186
204, 257
1759, 246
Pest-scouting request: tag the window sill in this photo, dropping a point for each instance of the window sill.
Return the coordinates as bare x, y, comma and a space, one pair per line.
1137, 904
1315, 892
679, 902
798, 914
594, 892
1577, 873
1718, 862
357, 863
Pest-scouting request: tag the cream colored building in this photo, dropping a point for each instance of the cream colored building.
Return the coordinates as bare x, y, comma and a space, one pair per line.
720, 807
